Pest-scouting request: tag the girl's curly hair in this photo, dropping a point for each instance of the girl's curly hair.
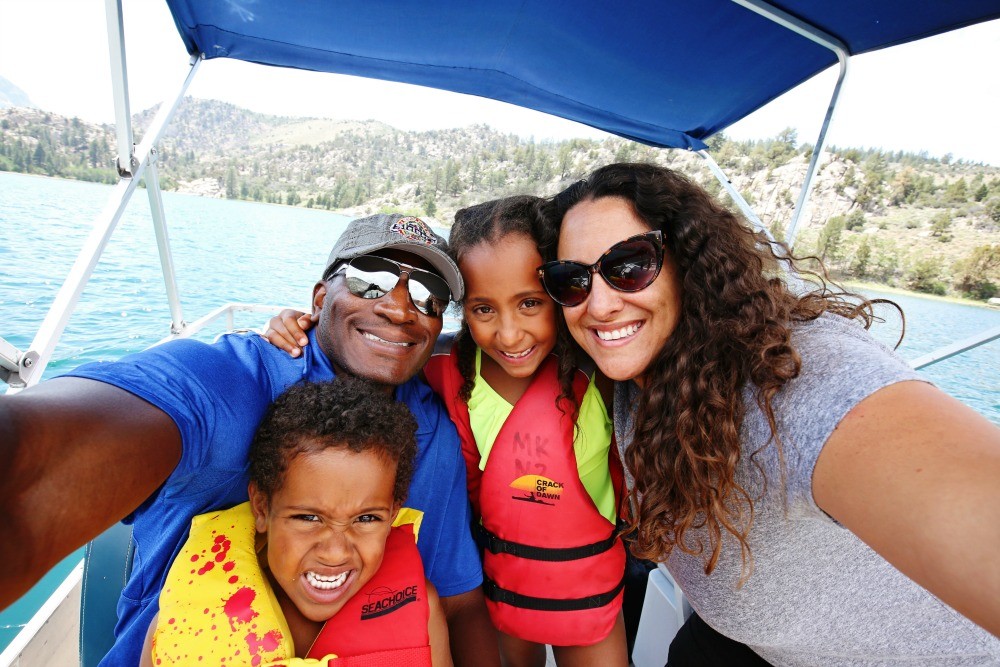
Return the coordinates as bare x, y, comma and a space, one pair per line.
735, 327
490, 222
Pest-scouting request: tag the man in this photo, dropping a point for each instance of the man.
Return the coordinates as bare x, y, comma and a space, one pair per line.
163, 435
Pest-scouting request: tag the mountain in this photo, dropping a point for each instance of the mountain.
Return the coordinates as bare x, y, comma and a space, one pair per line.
12, 96
891, 217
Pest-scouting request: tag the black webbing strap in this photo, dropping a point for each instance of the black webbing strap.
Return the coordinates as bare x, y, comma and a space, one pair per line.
497, 594
497, 545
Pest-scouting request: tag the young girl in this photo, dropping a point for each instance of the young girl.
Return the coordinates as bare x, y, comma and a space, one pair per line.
327, 574
536, 437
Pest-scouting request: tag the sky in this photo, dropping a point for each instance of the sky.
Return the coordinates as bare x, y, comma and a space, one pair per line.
940, 95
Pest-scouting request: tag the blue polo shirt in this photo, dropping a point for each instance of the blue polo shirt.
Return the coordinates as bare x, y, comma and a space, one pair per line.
217, 394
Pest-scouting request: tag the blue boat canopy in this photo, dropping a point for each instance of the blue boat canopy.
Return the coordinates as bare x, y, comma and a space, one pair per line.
663, 72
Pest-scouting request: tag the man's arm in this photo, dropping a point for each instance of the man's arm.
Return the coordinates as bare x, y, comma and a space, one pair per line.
79, 455
473, 639
916, 475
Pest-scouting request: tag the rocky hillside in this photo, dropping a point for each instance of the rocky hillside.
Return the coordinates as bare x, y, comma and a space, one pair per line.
896, 218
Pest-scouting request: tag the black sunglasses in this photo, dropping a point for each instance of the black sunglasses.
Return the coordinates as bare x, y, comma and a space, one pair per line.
627, 266
372, 277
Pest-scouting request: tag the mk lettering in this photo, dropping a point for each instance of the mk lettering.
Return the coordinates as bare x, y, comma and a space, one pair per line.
533, 447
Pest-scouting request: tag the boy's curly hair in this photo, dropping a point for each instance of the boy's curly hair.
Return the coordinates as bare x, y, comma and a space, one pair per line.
348, 413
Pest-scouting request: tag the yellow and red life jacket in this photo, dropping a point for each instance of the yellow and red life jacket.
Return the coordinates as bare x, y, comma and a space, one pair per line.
217, 606
553, 566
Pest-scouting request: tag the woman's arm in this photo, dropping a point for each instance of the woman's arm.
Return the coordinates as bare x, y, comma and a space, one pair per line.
437, 628
916, 475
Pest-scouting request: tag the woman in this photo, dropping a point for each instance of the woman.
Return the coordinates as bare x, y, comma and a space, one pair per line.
782, 462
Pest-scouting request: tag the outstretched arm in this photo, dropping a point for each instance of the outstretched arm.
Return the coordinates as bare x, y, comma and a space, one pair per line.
916, 475
79, 455
473, 639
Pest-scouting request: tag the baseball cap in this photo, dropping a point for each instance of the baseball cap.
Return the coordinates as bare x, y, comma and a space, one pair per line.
394, 230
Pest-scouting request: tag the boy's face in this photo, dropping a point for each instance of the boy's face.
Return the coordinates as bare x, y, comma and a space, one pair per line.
326, 527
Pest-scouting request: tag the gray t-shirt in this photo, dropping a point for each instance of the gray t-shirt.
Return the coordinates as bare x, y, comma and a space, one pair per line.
818, 595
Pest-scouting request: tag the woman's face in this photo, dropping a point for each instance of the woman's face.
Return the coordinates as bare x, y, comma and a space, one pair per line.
621, 331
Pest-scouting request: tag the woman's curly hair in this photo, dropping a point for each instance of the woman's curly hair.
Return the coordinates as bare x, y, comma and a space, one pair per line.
734, 328
348, 413
489, 223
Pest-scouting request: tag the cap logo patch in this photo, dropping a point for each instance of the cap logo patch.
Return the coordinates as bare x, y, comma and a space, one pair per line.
414, 230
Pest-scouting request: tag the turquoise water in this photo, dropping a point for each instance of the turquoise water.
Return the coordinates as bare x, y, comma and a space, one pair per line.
228, 251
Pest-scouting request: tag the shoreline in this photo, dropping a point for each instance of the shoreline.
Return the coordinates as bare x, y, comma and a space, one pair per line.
862, 285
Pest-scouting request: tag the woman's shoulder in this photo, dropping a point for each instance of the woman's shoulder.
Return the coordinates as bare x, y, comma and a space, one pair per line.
841, 365
831, 341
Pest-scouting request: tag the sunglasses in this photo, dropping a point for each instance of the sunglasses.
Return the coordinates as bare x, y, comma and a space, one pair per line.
627, 266
372, 277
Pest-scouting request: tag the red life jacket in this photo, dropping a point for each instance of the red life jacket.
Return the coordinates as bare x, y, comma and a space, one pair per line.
385, 623
553, 566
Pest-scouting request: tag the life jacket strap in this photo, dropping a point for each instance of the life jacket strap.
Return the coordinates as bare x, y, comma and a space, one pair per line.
498, 545
494, 593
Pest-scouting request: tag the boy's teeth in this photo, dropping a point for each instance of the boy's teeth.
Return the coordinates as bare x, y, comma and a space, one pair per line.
624, 332
383, 340
519, 354
326, 583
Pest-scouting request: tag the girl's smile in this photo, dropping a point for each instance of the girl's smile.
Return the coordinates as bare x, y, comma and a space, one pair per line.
508, 313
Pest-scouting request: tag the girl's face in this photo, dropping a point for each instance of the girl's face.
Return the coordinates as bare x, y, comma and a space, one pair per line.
509, 315
326, 529
621, 331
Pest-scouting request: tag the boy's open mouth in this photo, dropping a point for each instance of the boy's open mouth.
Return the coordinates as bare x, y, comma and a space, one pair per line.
325, 583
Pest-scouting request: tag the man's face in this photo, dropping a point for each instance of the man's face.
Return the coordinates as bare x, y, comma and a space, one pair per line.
385, 340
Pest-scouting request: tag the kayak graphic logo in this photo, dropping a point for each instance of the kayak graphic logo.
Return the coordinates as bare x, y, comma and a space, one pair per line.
384, 600
537, 489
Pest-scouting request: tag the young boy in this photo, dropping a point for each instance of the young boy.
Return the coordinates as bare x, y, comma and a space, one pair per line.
311, 566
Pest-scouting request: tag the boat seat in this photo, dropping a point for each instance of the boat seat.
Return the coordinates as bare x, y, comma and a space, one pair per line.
107, 566
663, 613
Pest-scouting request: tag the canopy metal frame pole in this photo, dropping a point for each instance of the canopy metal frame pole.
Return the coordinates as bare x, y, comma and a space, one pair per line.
104, 224
792, 276
125, 161
152, 180
840, 49
734, 194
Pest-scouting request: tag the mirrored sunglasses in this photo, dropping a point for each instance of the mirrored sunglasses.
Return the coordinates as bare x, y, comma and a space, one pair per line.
627, 266
372, 277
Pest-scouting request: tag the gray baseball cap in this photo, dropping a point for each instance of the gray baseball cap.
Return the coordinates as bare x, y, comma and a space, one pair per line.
395, 230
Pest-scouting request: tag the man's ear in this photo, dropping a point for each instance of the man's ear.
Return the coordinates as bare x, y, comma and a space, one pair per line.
259, 506
319, 296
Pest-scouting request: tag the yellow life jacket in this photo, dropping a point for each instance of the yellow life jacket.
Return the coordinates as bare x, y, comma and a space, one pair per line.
217, 606
216, 602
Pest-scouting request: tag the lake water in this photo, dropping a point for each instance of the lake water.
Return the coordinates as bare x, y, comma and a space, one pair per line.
226, 251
